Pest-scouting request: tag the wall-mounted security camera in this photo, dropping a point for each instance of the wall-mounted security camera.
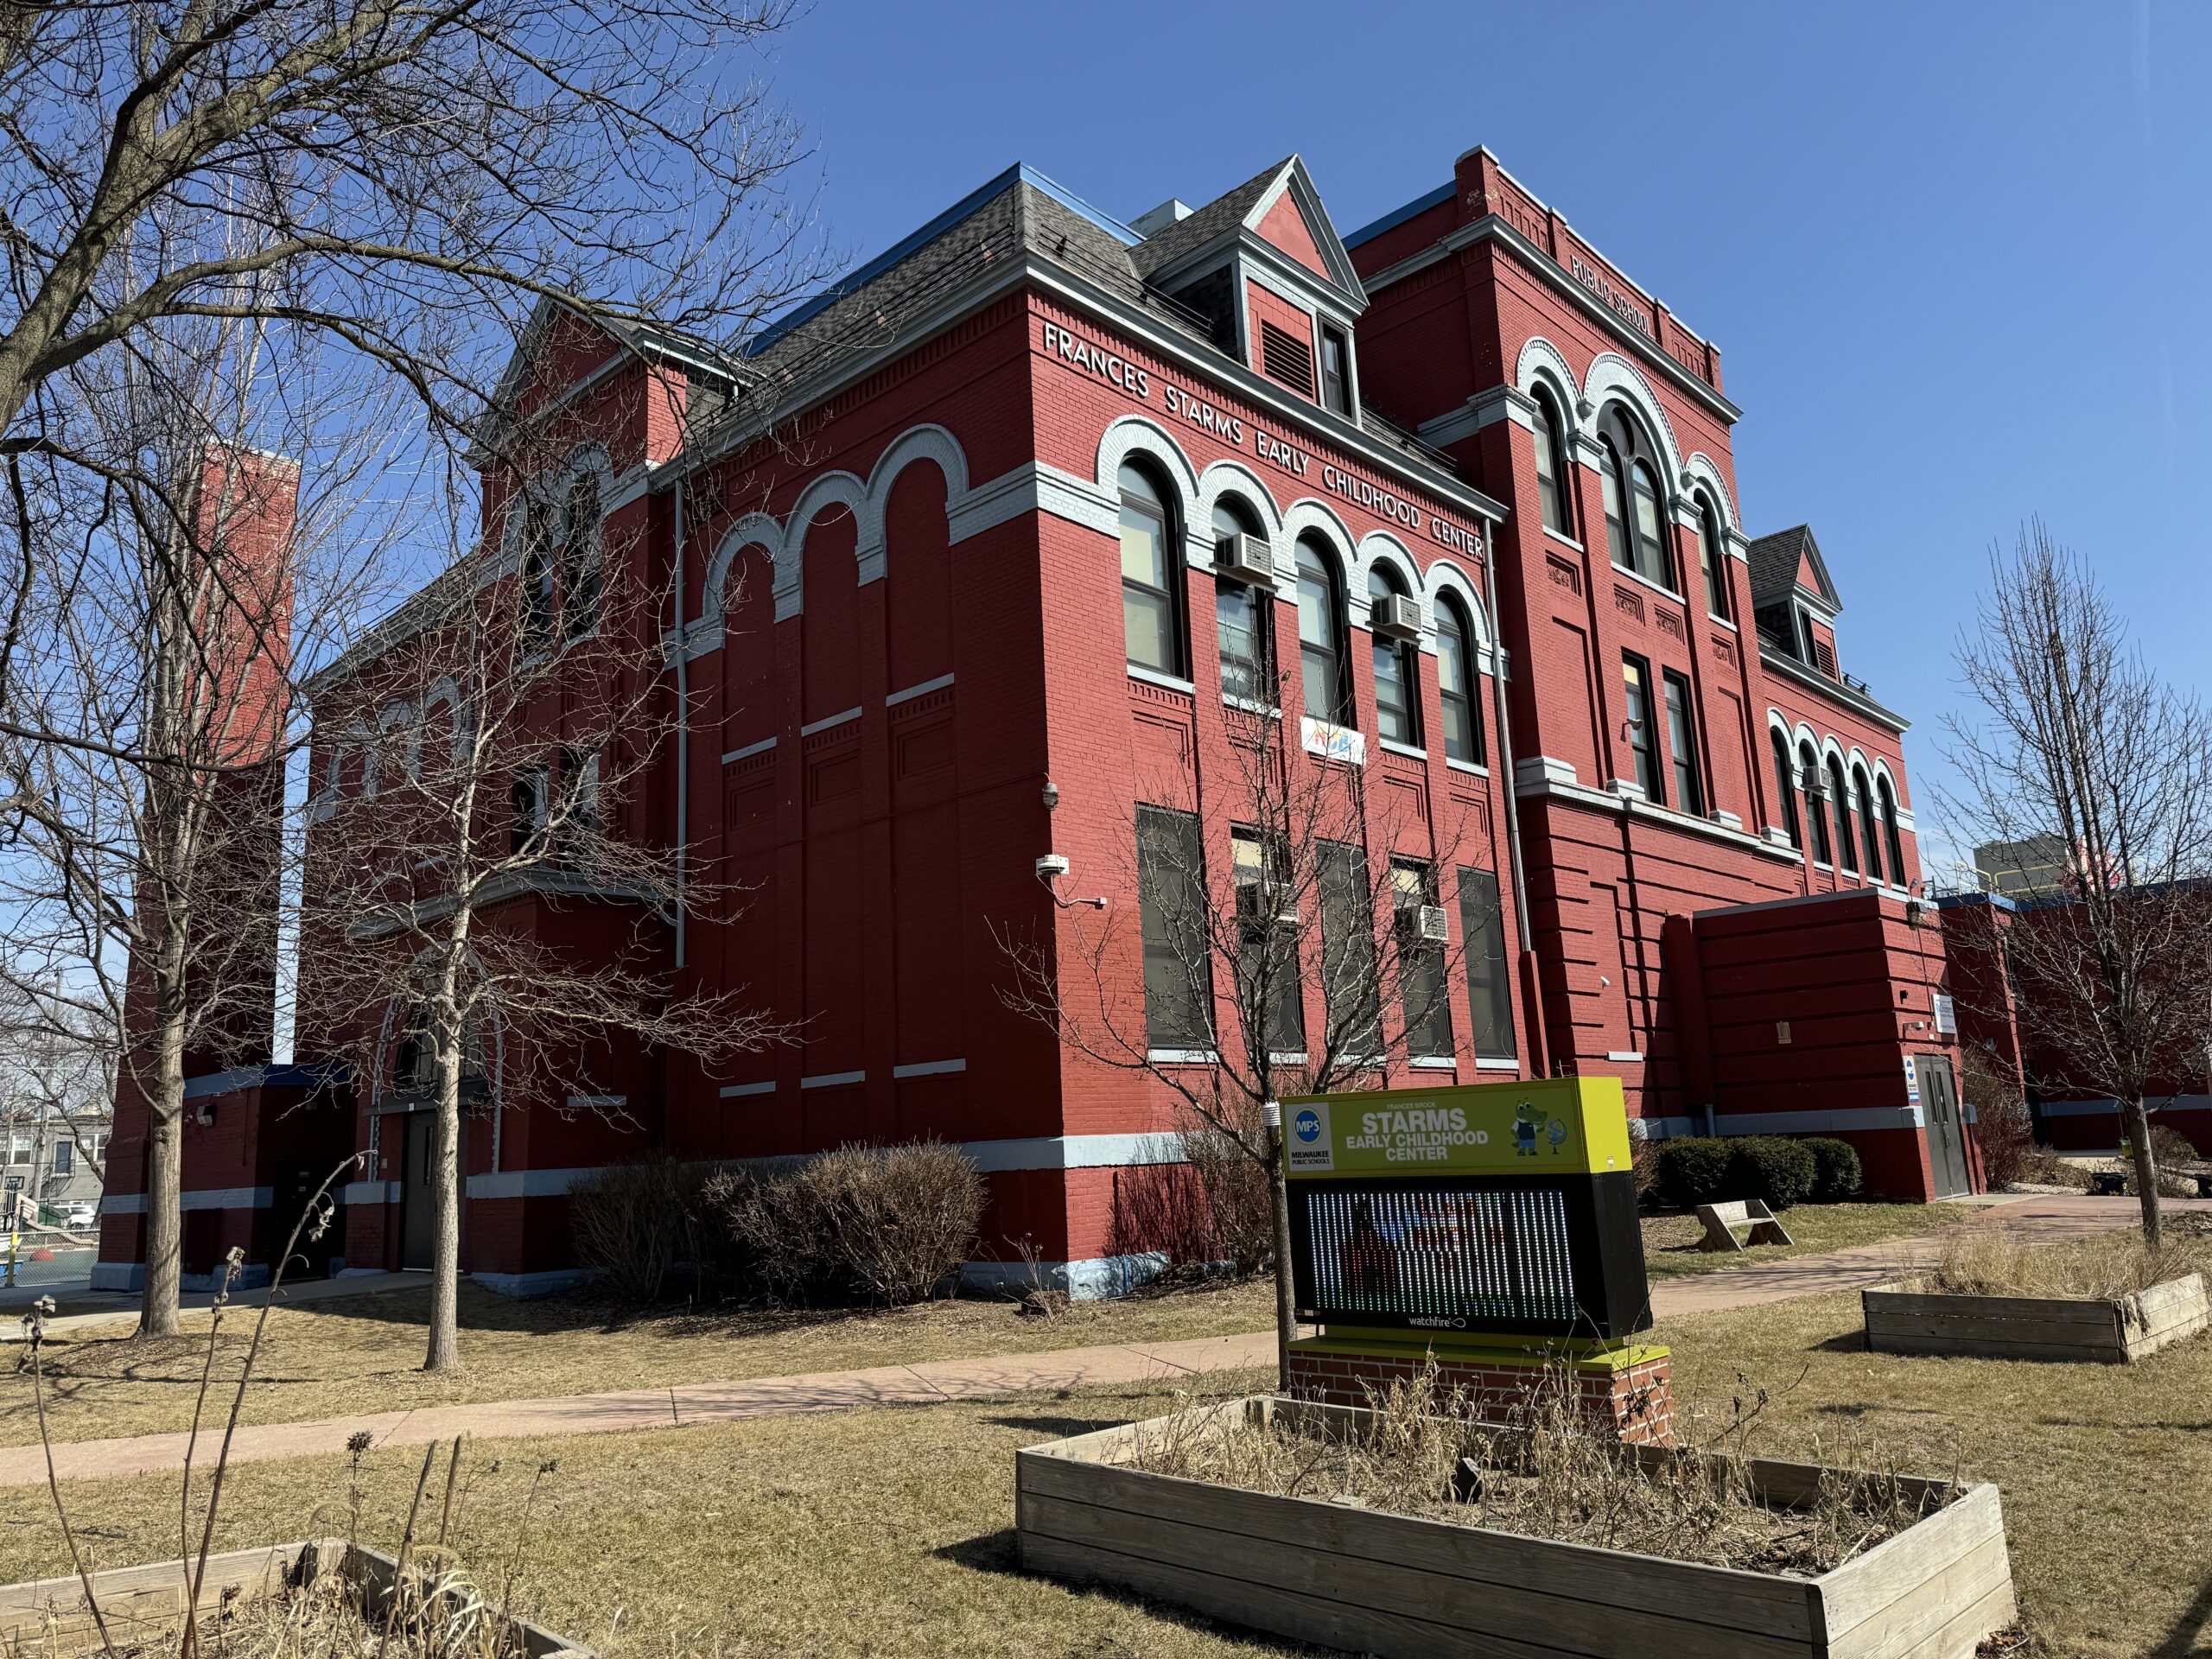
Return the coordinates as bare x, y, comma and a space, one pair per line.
1050, 868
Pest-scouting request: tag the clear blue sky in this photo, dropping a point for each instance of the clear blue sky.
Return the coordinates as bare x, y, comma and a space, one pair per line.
1958, 257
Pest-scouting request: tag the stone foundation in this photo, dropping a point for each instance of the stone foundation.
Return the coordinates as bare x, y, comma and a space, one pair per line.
1629, 1390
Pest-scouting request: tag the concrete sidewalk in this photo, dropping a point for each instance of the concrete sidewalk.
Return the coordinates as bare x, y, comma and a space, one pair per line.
697, 1404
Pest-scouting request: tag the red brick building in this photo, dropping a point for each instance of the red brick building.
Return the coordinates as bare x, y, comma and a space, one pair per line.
1486, 510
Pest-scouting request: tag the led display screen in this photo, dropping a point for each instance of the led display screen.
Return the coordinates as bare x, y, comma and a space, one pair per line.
1534, 1255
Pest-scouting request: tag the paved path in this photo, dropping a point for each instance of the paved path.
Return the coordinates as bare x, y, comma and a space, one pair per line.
696, 1404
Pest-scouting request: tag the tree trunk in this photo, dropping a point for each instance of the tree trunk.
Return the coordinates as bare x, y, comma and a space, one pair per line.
2147, 1172
157, 1312
1286, 1294
445, 1260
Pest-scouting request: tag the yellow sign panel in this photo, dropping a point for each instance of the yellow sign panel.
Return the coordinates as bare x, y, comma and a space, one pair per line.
1558, 1126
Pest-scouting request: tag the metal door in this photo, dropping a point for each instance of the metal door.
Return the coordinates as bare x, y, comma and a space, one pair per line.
1947, 1141
417, 1232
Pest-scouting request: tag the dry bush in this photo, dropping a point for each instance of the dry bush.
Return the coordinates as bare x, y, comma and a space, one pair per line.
883, 1225
633, 1222
1999, 1261
1546, 1471
1208, 1212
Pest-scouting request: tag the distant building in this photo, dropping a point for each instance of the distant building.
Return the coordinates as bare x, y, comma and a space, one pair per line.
54, 1158
2035, 867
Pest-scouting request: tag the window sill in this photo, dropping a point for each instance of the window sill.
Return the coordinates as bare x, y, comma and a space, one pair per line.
1721, 621
1472, 768
1165, 682
1433, 1063
1625, 1056
1245, 705
1182, 1057
1392, 746
1296, 1058
1655, 586
1484, 1063
1564, 540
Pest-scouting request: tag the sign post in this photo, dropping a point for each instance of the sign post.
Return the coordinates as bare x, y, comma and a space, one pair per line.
1489, 1230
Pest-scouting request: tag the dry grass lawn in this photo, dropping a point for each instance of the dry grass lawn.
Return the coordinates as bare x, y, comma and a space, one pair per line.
887, 1533
339, 1359
1670, 1240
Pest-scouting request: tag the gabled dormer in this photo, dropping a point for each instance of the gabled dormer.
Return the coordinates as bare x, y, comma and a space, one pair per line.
1794, 599
1263, 266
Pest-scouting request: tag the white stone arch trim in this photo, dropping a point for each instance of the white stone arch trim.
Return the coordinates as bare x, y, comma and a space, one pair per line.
1309, 515
1612, 377
441, 692
754, 530
1444, 577
1380, 548
1882, 774
1700, 472
589, 457
834, 489
1543, 364
1133, 435
1233, 478
928, 442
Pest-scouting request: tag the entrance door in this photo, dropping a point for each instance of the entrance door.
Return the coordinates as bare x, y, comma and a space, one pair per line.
418, 1210
1947, 1141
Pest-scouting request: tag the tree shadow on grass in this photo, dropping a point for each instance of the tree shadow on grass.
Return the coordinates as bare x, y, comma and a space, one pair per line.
1059, 1428
2196, 1621
1000, 1553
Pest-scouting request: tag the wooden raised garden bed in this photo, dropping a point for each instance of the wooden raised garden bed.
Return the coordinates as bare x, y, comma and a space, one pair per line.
146, 1604
2114, 1330
1409, 1587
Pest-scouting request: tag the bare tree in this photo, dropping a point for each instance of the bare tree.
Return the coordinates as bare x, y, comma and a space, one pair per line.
184, 574
507, 721
2078, 744
1282, 948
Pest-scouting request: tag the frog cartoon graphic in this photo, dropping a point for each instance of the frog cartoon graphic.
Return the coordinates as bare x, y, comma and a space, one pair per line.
1527, 1119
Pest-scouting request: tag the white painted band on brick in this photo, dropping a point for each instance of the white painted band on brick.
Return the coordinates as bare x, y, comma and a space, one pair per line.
213, 1198
2098, 1107
928, 1068
921, 690
827, 720
750, 749
832, 1079
370, 1193
597, 1103
743, 1090
1827, 1122
526, 1183
1073, 1152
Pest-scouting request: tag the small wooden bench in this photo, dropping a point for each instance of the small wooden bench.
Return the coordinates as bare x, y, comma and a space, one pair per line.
1721, 1221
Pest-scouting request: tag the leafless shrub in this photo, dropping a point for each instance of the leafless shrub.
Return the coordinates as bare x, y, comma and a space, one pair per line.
884, 1226
1544, 1470
632, 1222
2001, 1261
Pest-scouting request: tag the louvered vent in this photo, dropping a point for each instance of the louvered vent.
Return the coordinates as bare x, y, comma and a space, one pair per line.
1824, 654
1286, 358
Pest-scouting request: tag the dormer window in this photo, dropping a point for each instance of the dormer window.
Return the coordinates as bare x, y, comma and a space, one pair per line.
1336, 370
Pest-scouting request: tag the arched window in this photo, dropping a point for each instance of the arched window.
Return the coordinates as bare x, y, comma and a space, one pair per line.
1636, 529
1869, 825
536, 595
1243, 616
1785, 790
1321, 634
1712, 558
1840, 792
1890, 833
1150, 575
1552, 497
1816, 811
1455, 682
1615, 480
580, 573
1397, 671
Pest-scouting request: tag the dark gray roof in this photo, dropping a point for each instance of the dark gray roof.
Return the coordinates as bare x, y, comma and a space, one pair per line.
1775, 559
1217, 217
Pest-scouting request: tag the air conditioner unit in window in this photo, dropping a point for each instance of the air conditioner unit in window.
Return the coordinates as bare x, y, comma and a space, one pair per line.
1246, 559
1427, 923
1395, 617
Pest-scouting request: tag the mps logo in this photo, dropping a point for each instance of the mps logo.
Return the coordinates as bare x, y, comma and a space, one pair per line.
1309, 1148
1307, 1126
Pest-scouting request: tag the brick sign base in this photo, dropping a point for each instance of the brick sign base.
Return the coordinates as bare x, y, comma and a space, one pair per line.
1629, 1390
